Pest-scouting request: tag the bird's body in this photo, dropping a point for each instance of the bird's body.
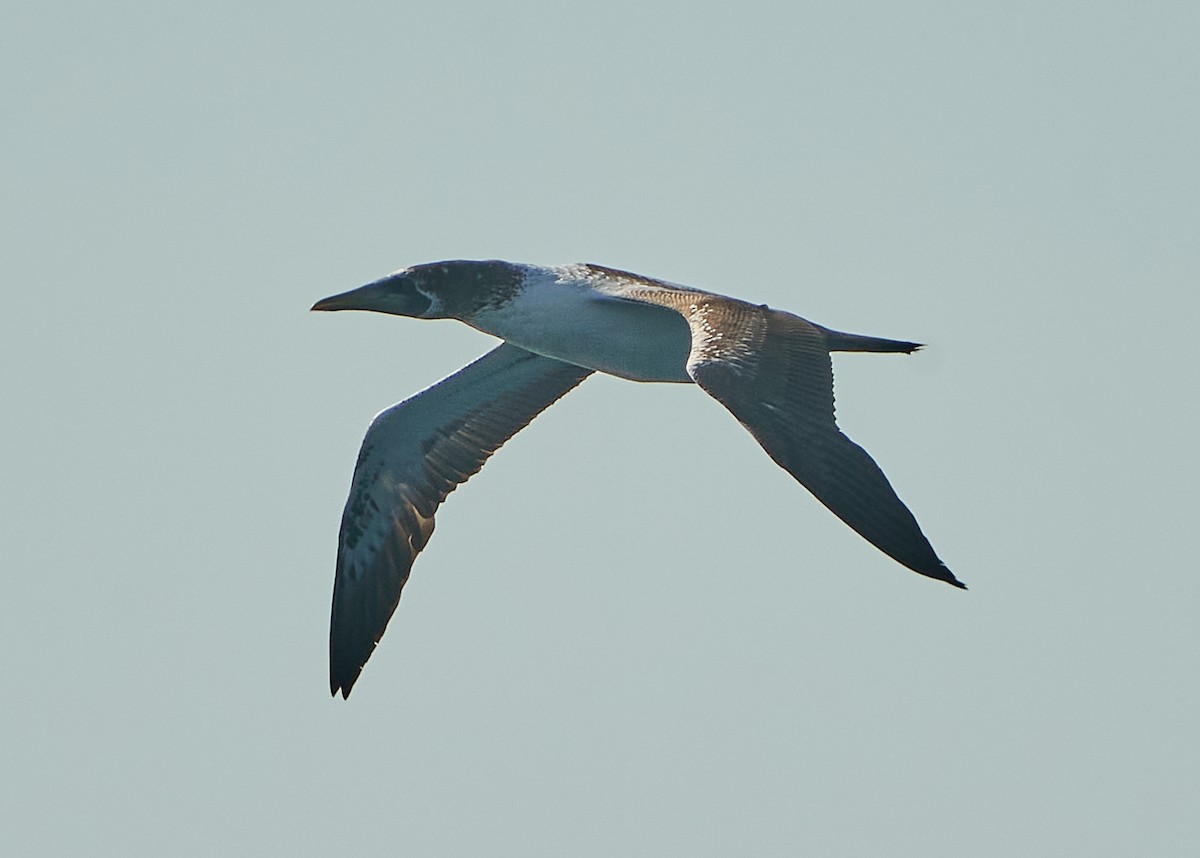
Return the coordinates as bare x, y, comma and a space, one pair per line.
559, 324
576, 314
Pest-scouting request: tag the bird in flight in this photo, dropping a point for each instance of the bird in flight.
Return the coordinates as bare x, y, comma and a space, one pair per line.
559, 324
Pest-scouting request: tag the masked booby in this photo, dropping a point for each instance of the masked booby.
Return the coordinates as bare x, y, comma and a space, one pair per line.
559, 324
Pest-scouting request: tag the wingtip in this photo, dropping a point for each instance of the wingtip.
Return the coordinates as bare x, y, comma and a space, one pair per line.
337, 684
949, 578
341, 685
940, 572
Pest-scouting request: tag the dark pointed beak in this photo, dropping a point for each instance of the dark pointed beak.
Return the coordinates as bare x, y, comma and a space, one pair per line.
362, 298
395, 294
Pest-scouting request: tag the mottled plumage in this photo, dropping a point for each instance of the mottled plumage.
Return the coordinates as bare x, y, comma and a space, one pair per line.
769, 368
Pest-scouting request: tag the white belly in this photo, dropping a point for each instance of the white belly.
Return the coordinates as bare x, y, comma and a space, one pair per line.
571, 322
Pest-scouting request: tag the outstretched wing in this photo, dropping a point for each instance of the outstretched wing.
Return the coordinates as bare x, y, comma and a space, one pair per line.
412, 457
773, 372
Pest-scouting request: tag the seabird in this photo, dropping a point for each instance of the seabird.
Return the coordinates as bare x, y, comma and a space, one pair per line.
559, 324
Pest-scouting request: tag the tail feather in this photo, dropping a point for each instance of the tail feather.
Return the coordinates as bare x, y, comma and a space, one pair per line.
840, 341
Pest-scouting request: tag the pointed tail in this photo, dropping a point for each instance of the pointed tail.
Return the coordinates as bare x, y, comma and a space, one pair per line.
840, 341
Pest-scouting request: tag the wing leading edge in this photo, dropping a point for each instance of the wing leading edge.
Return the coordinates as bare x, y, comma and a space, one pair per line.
413, 456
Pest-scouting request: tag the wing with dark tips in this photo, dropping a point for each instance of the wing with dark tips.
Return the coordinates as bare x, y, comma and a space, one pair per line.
413, 456
772, 370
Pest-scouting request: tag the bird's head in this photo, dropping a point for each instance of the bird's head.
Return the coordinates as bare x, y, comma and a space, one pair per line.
435, 290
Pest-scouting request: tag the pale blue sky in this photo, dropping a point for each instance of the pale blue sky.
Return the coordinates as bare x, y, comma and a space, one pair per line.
632, 634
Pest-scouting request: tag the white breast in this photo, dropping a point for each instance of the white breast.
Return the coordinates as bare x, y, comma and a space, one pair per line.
560, 314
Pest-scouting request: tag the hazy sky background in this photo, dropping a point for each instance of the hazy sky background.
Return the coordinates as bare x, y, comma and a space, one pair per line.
632, 634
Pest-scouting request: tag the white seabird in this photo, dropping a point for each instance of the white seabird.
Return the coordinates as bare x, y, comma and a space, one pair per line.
559, 324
